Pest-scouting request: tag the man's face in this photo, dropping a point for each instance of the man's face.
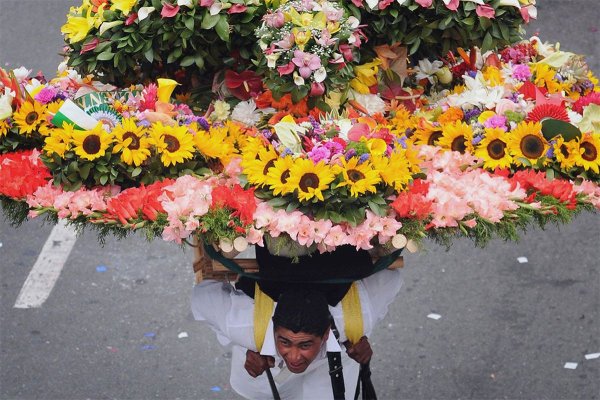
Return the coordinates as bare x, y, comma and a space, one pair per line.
298, 350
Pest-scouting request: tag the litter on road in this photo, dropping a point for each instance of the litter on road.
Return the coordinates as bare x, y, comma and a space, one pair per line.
182, 335
101, 268
570, 365
434, 316
522, 260
592, 356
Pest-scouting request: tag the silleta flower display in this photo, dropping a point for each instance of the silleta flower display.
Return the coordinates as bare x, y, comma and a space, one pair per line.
323, 131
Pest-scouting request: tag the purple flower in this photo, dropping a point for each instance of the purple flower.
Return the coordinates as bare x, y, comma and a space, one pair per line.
521, 72
334, 147
476, 139
473, 113
497, 121
363, 158
319, 153
286, 152
306, 63
46, 95
351, 153
550, 152
203, 123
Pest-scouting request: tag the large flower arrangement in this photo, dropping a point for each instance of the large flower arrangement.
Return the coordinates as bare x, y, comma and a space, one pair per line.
507, 139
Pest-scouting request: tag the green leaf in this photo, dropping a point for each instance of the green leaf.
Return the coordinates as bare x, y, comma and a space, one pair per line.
136, 171
553, 127
149, 54
209, 21
488, 42
187, 61
105, 55
189, 23
222, 28
84, 170
103, 179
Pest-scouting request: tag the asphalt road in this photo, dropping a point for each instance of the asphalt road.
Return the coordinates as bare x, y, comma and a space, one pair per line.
110, 328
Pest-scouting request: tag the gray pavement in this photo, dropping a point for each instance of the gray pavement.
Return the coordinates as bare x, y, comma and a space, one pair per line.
506, 329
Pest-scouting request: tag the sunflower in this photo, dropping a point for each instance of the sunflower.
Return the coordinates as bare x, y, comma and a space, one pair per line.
492, 149
360, 178
589, 152
132, 142
527, 142
278, 176
394, 170
174, 143
310, 179
30, 117
59, 140
457, 136
213, 144
91, 144
257, 169
427, 134
250, 149
565, 153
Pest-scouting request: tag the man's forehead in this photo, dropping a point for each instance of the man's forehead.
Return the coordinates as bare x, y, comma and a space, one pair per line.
292, 336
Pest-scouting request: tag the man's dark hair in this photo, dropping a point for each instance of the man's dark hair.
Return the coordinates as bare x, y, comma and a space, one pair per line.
302, 311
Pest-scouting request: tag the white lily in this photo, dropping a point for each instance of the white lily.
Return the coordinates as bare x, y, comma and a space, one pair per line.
21, 73
298, 80
370, 102
287, 131
272, 59
427, 69
6, 106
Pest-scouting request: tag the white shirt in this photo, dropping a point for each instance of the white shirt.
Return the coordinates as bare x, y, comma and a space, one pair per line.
230, 313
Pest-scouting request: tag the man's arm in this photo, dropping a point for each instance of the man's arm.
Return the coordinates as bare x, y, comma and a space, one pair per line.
256, 363
360, 352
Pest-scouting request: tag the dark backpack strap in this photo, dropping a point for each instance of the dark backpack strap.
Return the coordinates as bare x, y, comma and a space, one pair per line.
274, 390
335, 368
364, 380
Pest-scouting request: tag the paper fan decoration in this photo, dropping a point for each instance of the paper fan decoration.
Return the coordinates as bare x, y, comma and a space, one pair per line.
545, 111
105, 114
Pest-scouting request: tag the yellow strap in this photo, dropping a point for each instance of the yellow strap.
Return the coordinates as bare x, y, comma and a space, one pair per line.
263, 309
353, 318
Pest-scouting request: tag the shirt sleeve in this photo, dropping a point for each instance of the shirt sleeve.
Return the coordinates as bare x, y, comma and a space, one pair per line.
379, 291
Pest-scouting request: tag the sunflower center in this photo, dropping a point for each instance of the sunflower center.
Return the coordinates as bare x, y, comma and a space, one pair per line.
459, 144
355, 175
135, 141
590, 152
172, 143
268, 166
308, 180
91, 144
496, 148
31, 117
564, 151
284, 176
434, 137
532, 146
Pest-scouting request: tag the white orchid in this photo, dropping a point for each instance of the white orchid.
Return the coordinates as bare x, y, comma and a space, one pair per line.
427, 69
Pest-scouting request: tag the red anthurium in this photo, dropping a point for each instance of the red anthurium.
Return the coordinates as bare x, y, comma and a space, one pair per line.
243, 85
317, 89
286, 69
131, 19
237, 9
89, 46
169, 10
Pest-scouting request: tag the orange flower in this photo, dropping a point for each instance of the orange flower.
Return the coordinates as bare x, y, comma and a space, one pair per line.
451, 115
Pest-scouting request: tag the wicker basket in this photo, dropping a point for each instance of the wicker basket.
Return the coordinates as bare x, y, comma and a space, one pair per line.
207, 268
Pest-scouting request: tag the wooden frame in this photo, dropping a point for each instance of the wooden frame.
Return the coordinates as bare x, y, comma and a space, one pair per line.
207, 268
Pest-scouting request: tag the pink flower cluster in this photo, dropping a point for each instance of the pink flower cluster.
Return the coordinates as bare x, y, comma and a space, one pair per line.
458, 190
184, 202
69, 204
326, 235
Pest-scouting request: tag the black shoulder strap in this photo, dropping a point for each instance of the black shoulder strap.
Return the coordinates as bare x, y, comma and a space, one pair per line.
335, 368
274, 390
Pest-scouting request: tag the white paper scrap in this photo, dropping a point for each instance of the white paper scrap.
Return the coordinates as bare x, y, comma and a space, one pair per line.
182, 335
570, 365
592, 356
0, 244
434, 316
522, 260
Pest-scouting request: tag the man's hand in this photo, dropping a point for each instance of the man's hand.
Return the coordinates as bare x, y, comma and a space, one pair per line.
256, 364
360, 352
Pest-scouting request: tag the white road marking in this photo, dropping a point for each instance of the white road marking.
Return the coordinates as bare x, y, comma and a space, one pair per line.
47, 267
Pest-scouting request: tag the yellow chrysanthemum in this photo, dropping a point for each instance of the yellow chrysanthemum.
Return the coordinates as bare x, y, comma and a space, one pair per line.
174, 143
251, 148
278, 176
256, 170
493, 149
59, 140
394, 170
4, 127
403, 121
214, 143
310, 179
457, 136
360, 178
91, 144
493, 76
589, 152
30, 117
545, 76
131, 140
527, 142
565, 153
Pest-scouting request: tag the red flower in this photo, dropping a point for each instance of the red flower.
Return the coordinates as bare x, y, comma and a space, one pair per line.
592, 98
544, 111
536, 182
243, 85
137, 203
241, 202
237, 9
131, 19
413, 204
169, 10
22, 173
89, 46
